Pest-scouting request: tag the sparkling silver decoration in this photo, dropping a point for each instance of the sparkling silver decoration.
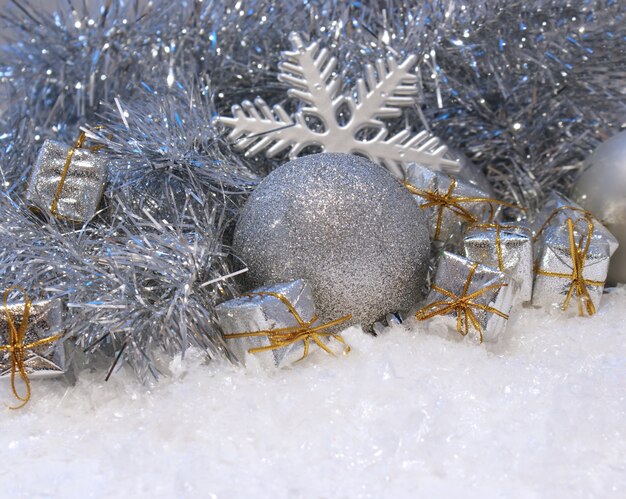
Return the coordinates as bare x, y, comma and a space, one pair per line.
310, 71
515, 256
45, 320
446, 222
452, 276
256, 312
82, 187
601, 189
343, 224
555, 256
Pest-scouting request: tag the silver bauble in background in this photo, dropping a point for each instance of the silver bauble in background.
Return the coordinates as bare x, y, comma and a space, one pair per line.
601, 189
343, 224
468, 170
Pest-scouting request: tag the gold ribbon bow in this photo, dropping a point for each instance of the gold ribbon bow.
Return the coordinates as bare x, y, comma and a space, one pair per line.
462, 305
498, 227
286, 336
16, 346
453, 203
578, 254
80, 141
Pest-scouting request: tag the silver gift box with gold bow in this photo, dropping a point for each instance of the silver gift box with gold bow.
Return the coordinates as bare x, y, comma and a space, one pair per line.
468, 298
573, 260
446, 222
44, 321
82, 186
261, 312
506, 246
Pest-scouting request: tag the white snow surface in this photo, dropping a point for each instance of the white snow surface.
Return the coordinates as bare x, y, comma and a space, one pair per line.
541, 413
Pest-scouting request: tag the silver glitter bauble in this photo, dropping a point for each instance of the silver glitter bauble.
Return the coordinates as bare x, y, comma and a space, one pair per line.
601, 189
343, 224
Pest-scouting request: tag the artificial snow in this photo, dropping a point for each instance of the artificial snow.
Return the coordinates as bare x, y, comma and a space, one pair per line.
539, 414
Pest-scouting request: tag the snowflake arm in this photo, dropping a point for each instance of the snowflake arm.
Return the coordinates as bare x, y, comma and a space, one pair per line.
256, 127
403, 148
384, 91
310, 73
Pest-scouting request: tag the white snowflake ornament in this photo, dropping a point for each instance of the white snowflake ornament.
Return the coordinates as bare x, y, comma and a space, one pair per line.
310, 71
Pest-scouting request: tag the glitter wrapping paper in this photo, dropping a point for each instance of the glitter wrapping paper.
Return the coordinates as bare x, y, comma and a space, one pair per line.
453, 274
44, 361
261, 312
83, 184
445, 222
514, 256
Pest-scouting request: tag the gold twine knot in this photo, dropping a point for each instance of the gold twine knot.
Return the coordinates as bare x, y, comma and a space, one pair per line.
304, 331
18, 348
462, 305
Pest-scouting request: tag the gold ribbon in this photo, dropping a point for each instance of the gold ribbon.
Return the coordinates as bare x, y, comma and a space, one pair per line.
80, 141
578, 254
498, 227
453, 203
462, 305
16, 345
286, 336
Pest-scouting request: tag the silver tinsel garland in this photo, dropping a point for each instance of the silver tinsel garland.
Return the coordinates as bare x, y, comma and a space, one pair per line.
526, 89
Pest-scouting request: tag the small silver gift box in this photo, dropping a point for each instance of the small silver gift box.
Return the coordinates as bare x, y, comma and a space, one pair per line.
44, 321
557, 279
507, 247
469, 298
73, 193
446, 221
261, 312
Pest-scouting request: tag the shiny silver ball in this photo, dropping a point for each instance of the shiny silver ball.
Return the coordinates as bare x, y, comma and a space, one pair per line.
601, 189
343, 224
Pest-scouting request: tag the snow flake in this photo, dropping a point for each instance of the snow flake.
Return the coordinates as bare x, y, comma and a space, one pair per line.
388, 86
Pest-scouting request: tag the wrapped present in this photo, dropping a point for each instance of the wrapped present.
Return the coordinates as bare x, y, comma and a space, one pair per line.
450, 201
276, 323
573, 261
30, 341
68, 181
507, 247
468, 296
